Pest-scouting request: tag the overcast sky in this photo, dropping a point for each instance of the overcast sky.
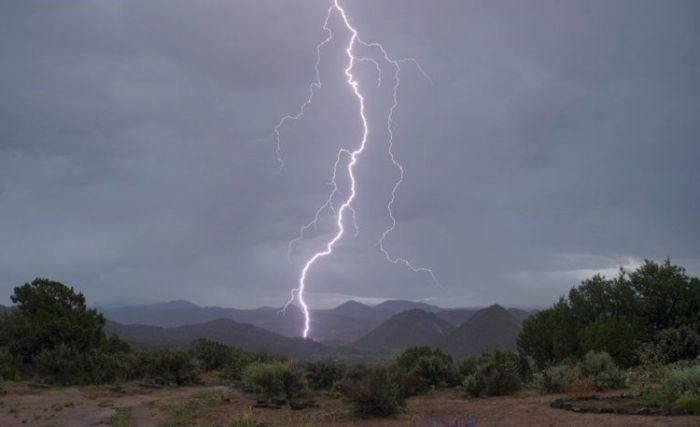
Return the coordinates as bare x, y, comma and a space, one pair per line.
559, 138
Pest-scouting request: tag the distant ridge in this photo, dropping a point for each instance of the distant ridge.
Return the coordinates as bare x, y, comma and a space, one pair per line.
338, 327
489, 328
409, 328
226, 331
397, 306
357, 310
327, 325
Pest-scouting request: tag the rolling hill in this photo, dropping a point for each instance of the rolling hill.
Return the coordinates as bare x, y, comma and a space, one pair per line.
488, 328
406, 329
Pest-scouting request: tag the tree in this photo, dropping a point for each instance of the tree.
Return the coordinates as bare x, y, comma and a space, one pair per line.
617, 316
49, 314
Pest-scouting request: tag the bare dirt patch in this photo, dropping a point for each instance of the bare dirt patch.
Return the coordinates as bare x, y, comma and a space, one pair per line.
136, 404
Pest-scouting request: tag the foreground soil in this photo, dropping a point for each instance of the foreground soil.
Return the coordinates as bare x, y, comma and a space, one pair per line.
134, 404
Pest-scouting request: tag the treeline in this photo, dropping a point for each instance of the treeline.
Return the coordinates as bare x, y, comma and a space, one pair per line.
652, 312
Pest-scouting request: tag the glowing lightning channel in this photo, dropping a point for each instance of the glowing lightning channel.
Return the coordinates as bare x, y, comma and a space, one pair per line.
298, 293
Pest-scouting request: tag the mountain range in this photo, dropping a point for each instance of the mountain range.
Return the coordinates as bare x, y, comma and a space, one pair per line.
352, 329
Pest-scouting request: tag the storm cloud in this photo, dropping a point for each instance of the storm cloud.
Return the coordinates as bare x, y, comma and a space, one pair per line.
558, 139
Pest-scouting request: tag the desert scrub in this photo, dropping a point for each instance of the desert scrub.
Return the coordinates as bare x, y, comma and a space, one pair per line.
423, 367
677, 392
595, 371
373, 392
274, 379
554, 379
495, 373
600, 370
171, 367
322, 375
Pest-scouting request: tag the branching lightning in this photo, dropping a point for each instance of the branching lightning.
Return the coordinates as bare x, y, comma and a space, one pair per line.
349, 156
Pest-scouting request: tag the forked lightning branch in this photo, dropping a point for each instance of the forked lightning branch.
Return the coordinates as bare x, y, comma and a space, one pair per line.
346, 158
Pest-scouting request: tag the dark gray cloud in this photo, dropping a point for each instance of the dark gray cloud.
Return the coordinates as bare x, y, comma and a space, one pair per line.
558, 139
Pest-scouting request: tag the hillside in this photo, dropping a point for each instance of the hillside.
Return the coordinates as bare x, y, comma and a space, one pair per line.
408, 328
488, 328
457, 316
226, 331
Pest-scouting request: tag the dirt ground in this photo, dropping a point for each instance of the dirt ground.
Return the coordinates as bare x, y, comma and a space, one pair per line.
133, 404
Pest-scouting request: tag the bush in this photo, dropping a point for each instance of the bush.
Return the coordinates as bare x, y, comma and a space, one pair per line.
211, 355
688, 405
322, 375
10, 366
681, 382
599, 369
555, 379
274, 379
170, 367
425, 367
67, 366
596, 370
678, 390
374, 391
495, 373
676, 344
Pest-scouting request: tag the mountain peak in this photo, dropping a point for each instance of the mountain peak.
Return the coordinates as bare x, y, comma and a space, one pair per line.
488, 328
406, 329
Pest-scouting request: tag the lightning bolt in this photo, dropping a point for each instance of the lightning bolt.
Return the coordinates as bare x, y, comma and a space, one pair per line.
351, 157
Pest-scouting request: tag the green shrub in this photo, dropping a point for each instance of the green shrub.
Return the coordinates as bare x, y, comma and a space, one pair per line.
495, 373
10, 366
555, 379
273, 379
424, 367
67, 366
211, 355
676, 344
678, 390
170, 367
596, 370
114, 345
237, 361
322, 375
687, 405
681, 382
600, 370
373, 391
